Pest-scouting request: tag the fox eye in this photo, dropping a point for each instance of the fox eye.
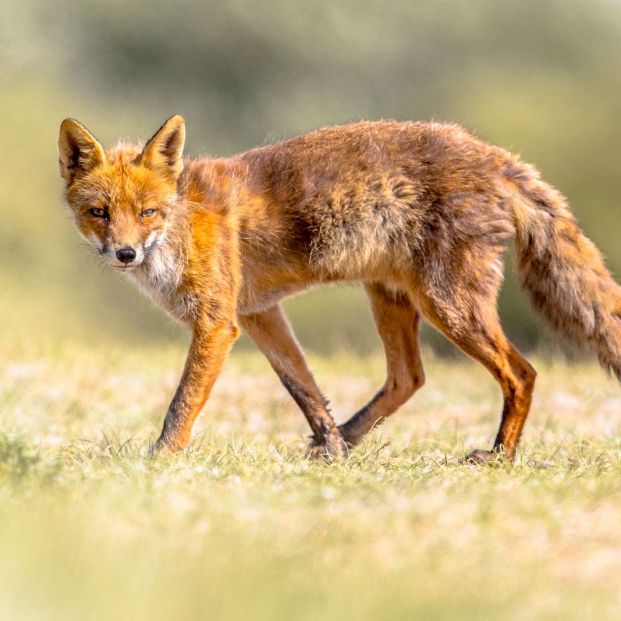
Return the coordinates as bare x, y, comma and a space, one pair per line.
148, 212
97, 212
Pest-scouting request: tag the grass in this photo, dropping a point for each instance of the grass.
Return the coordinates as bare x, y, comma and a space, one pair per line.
242, 526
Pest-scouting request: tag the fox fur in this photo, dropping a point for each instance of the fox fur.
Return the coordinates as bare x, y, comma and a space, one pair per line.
419, 213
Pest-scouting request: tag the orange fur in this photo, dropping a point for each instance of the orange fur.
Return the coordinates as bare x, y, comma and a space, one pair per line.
420, 213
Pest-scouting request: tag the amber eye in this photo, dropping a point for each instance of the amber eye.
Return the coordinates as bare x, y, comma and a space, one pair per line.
147, 213
97, 212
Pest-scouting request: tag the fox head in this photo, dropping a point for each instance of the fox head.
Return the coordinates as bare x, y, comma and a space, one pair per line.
122, 199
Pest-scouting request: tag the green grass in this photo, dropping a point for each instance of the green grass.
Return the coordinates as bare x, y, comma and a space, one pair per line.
242, 526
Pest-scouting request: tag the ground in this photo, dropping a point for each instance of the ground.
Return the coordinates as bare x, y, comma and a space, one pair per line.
243, 526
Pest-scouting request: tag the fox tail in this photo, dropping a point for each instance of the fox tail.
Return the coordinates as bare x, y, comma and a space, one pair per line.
562, 270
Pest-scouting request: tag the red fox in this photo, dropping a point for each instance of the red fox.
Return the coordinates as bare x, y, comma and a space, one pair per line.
419, 213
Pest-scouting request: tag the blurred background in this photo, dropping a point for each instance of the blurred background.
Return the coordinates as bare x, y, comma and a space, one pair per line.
540, 78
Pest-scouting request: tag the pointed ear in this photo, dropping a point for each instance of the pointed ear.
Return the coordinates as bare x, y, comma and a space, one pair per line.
78, 151
164, 152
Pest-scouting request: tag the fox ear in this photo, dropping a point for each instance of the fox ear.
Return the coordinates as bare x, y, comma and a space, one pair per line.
78, 150
164, 152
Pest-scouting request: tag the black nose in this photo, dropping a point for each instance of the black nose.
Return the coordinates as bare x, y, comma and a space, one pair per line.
126, 255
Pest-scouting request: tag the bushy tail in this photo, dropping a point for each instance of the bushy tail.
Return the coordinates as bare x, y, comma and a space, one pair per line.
562, 269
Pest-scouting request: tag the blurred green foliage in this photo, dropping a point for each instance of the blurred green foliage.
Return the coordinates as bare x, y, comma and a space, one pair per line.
540, 78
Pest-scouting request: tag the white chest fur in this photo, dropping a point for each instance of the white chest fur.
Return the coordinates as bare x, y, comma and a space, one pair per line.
159, 278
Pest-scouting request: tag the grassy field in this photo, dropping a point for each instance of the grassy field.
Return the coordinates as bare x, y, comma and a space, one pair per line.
243, 527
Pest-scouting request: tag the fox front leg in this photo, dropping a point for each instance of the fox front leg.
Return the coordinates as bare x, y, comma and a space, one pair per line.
270, 330
208, 351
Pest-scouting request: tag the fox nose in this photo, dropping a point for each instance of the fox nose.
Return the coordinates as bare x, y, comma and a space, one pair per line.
126, 254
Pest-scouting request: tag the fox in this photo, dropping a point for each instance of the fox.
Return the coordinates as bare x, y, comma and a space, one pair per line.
419, 213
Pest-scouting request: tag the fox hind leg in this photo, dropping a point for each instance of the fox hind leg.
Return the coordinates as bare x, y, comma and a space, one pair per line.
397, 324
470, 320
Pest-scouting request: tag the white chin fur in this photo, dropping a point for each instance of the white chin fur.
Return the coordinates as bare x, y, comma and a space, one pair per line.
124, 267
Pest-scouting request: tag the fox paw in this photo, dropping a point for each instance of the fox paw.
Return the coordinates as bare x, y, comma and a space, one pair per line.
351, 439
332, 446
481, 456
163, 448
